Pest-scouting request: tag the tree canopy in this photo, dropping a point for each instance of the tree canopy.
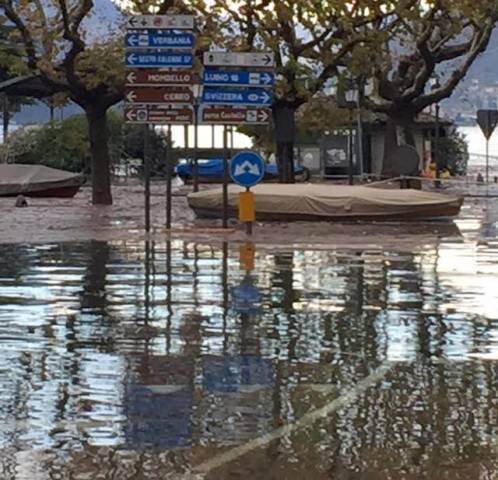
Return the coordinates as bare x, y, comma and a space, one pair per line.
428, 41
56, 48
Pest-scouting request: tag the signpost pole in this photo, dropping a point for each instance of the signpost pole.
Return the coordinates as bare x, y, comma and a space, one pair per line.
225, 177
186, 140
487, 161
159, 57
249, 223
487, 120
196, 147
168, 180
350, 149
147, 176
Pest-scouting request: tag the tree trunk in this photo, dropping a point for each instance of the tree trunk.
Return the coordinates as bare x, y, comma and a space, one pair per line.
99, 149
285, 132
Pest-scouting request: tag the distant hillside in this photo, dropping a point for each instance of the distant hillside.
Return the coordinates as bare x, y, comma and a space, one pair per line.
485, 68
40, 113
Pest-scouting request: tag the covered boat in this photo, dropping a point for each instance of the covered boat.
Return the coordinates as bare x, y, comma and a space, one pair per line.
211, 171
38, 181
309, 202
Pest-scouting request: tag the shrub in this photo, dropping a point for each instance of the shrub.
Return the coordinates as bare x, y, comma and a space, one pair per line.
454, 153
65, 144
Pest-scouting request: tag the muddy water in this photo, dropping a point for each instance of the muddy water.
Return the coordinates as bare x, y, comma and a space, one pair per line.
166, 360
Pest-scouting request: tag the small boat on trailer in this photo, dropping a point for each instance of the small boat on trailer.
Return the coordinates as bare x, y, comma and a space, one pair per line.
309, 202
38, 181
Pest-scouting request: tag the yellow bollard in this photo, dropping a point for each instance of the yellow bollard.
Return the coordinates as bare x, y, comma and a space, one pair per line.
247, 207
247, 256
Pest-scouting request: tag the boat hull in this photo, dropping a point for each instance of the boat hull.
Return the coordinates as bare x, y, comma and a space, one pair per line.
38, 181
331, 204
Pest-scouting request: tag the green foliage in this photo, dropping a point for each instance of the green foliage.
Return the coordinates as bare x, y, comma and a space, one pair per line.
454, 153
65, 144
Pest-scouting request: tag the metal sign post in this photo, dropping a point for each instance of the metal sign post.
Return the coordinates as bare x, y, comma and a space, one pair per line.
487, 120
159, 58
147, 176
247, 169
239, 90
169, 175
225, 177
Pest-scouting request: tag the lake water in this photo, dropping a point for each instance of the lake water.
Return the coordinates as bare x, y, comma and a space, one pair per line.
477, 141
133, 360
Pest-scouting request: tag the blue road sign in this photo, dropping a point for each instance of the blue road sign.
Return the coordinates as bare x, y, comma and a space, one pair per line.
240, 78
247, 168
151, 59
234, 96
160, 39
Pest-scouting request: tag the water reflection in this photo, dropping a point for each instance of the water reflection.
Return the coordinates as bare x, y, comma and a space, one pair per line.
133, 360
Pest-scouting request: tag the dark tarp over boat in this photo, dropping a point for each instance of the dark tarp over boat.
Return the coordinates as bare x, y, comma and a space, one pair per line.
308, 202
211, 171
38, 181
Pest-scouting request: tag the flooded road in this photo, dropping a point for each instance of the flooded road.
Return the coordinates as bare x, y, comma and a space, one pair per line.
167, 360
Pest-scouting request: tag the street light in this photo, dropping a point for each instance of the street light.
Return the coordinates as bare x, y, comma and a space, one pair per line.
435, 86
352, 98
197, 92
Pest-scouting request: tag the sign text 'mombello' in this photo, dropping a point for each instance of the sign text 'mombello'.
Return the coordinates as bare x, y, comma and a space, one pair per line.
157, 77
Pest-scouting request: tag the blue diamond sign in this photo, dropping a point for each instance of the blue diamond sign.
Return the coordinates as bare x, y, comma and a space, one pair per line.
247, 168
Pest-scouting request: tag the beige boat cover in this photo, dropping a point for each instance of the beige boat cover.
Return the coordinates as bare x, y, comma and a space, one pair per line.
17, 179
328, 200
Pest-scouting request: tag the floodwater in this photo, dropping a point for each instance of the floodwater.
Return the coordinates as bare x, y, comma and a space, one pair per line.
134, 360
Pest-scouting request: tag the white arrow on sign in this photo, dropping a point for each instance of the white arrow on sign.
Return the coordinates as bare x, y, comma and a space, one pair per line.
266, 78
250, 59
132, 40
263, 116
132, 58
176, 22
263, 97
247, 167
130, 115
131, 96
131, 77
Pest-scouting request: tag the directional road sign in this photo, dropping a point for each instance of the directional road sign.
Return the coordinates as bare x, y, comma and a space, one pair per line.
174, 22
487, 120
159, 114
233, 96
151, 59
241, 78
156, 77
169, 95
235, 115
160, 39
234, 59
247, 168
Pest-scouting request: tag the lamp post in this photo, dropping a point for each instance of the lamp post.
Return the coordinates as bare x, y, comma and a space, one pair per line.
352, 99
435, 86
197, 91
